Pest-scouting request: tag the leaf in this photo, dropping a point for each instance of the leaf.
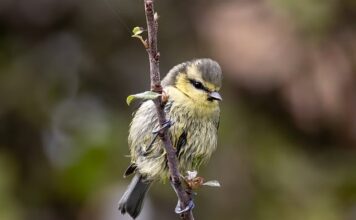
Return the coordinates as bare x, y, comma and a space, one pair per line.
148, 95
138, 36
155, 16
137, 31
212, 183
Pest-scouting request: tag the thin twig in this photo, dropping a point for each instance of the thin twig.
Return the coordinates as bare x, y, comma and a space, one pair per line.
153, 54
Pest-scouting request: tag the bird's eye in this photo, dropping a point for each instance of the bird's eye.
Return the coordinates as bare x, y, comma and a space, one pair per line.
197, 84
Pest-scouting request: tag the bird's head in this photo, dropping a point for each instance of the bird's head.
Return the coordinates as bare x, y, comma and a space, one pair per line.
199, 80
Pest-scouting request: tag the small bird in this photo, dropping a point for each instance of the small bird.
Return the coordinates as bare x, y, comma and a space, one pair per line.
193, 108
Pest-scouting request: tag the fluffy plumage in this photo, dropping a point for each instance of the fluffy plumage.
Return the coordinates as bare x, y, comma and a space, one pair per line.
193, 107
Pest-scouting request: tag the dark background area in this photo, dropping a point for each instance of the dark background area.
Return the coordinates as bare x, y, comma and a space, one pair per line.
287, 137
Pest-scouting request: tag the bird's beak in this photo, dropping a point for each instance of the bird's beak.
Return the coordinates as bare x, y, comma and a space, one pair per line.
215, 96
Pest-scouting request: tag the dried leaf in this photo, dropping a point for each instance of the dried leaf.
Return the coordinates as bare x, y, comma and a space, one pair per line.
148, 95
195, 183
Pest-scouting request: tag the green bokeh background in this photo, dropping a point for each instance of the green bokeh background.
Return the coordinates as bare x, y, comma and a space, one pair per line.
67, 66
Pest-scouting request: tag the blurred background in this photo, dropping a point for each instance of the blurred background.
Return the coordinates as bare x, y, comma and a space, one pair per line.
287, 147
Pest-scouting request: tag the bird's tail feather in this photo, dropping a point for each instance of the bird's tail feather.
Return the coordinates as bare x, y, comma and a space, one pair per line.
132, 200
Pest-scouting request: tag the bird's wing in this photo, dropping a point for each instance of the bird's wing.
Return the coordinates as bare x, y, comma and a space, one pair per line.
182, 140
178, 137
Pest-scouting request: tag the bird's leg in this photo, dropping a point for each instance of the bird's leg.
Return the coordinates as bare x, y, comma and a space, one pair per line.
150, 145
192, 182
156, 132
166, 124
190, 206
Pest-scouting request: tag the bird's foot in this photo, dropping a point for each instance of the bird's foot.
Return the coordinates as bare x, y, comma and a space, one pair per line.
189, 207
166, 124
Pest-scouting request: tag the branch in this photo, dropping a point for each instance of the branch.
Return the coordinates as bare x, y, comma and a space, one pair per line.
153, 55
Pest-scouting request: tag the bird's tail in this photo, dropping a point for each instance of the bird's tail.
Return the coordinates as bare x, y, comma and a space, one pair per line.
132, 200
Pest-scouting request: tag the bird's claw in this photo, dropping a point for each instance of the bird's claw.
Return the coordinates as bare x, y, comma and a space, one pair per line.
189, 207
166, 124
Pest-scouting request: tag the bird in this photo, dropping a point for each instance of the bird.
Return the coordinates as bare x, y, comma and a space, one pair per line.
193, 109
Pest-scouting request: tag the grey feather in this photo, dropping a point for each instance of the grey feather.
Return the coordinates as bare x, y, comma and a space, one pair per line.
210, 70
170, 78
132, 200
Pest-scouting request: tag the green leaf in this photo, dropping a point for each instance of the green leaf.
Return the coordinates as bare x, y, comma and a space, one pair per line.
148, 95
137, 31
